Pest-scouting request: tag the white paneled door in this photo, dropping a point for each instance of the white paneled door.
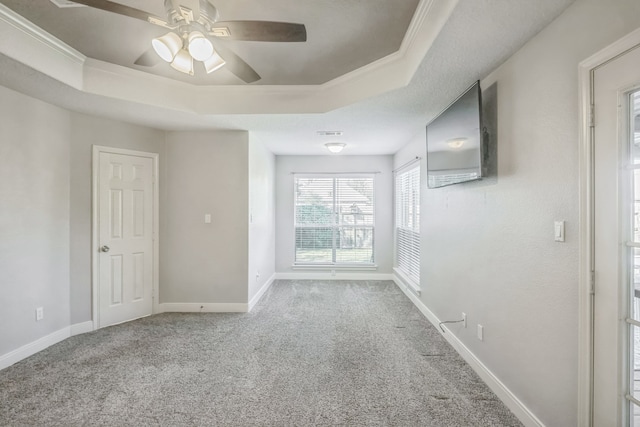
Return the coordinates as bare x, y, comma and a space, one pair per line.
125, 234
616, 321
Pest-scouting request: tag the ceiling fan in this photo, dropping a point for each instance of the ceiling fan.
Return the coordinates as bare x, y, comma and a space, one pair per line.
195, 34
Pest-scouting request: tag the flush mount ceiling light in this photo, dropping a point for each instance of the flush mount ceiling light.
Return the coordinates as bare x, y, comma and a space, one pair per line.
456, 143
335, 147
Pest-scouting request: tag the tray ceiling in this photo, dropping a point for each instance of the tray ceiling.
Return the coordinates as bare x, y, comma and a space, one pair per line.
343, 35
379, 107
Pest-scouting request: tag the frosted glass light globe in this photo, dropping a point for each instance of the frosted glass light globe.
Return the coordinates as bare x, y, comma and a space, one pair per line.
183, 62
167, 46
199, 46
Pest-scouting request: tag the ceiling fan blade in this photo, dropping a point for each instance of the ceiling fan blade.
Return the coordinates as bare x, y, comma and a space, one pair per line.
148, 59
121, 9
260, 31
236, 65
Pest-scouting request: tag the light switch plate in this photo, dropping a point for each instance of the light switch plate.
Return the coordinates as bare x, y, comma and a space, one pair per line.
558, 227
207, 218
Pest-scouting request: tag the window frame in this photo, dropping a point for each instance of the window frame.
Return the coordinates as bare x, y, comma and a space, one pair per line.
408, 269
336, 226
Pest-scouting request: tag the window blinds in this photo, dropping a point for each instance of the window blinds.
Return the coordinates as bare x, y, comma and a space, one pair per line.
334, 219
407, 221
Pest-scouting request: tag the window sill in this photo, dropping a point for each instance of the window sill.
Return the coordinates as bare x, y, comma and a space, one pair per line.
409, 283
333, 267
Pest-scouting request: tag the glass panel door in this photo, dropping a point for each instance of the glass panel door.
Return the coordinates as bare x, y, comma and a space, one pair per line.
615, 356
633, 260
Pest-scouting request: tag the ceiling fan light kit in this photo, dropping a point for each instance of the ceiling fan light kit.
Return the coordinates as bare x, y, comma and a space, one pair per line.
167, 46
199, 46
181, 51
213, 63
183, 62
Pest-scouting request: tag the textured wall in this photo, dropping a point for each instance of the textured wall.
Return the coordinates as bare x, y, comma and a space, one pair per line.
88, 131
205, 172
285, 165
34, 219
488, 247
262, 233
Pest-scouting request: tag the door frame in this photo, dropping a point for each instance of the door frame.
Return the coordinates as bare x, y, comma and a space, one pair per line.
95, 214
586, 219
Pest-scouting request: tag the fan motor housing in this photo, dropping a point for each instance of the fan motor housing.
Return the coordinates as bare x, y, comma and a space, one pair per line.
180, 14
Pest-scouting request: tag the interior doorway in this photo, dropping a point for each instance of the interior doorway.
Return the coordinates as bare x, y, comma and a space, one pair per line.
125, 229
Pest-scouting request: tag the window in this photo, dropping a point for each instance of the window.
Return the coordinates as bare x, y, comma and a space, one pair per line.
334, 219
407, 223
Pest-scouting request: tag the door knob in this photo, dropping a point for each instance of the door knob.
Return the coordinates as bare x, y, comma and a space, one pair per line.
105, 248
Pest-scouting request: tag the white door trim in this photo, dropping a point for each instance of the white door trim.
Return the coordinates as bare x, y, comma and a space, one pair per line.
95, 176
586, 219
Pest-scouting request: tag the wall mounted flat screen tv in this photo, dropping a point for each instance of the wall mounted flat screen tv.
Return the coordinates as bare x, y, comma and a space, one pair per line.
454, 141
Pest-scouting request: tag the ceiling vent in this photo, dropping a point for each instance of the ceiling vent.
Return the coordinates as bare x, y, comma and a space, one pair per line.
330, 132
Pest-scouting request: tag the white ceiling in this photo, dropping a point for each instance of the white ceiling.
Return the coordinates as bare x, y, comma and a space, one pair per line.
476, 38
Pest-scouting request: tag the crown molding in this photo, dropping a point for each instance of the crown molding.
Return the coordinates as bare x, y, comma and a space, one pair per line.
8, 16
25, 42
29, 44
418, 21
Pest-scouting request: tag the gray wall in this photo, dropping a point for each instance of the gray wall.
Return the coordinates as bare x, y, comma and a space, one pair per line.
85, 132
488, 247
285, 165
205, 172
34, 219
515, 280
45, 222
262, 233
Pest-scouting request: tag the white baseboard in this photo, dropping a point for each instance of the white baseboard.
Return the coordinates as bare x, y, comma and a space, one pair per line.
504, 394
338, 275
260, 293
82, 328
32, 348
187, 307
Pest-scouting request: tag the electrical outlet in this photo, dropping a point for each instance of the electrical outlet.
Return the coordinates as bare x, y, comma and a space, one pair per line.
333, 272
464, 319
257, 275
39, 313
480, 332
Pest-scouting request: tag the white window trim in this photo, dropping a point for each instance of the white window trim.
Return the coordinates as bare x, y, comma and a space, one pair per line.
336, 266
403, 275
